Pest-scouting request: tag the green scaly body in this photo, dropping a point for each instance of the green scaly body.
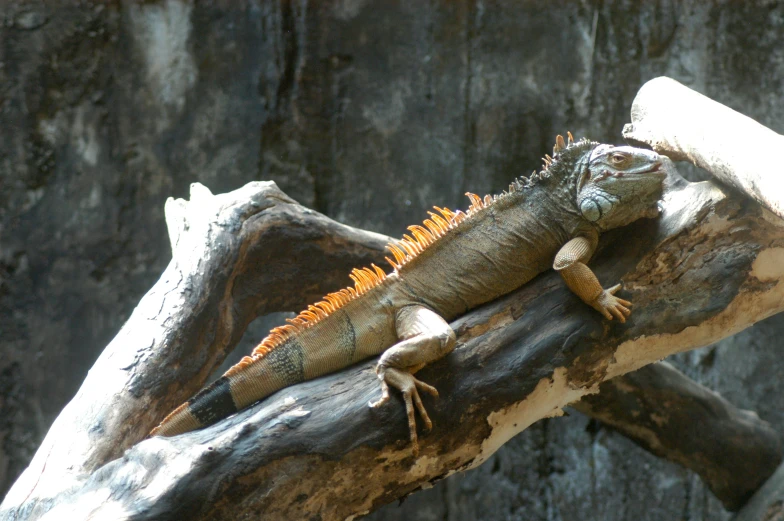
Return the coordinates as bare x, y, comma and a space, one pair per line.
454, 264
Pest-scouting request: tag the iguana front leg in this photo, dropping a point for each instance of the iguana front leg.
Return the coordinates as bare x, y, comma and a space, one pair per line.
571, 261
425, 337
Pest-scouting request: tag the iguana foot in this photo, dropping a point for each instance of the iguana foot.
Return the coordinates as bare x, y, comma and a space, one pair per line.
609, 305
409, 387
424, 337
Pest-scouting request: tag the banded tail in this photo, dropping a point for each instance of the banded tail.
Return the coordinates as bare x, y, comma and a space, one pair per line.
320, 340
247, 382
211, 404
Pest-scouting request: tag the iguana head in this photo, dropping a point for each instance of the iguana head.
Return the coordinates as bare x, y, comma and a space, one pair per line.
610, 186
618, 185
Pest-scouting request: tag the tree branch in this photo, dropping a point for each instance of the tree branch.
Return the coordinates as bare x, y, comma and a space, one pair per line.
687, 126
683, 124
318, 448
231, 261
670, 415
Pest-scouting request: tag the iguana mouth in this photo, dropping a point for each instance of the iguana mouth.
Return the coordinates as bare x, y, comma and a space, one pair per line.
656, 168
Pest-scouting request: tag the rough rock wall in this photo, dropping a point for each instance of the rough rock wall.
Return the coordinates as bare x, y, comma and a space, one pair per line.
370, 112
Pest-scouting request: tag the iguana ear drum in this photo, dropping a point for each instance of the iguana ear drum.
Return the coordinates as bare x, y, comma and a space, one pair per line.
595, 204
590, 210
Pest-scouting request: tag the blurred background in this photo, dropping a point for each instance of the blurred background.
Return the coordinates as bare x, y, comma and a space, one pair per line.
370, 112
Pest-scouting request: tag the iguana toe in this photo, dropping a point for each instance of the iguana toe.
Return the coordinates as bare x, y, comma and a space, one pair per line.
611, 306
410, 388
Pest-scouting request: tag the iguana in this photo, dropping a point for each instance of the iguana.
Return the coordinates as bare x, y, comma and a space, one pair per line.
452, 263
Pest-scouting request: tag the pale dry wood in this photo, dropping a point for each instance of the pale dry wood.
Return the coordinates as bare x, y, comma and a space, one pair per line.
225, 248
683, 124
687, 126
356, 247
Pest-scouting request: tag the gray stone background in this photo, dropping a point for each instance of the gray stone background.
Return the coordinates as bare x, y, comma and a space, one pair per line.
370, 112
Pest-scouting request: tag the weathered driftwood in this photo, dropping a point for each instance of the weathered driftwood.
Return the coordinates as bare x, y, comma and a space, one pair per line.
612, 405
708, 267
225, 248
672, 416
687, 126
683, 124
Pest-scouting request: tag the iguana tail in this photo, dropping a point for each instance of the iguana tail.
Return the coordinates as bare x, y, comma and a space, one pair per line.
211, 404
324, 338
247, 382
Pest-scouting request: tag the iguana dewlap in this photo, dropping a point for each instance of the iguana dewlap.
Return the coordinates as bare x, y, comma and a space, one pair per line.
452, 263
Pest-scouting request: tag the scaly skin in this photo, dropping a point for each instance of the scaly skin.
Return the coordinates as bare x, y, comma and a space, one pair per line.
454, 263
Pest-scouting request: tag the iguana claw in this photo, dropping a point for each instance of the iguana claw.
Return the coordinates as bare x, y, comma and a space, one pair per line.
409, 388
609, 305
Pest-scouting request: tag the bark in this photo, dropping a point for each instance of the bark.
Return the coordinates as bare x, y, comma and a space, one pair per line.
670, 415
767, 504
185, 325
680, 123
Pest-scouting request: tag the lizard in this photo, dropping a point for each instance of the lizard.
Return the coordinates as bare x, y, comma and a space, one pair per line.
453, 262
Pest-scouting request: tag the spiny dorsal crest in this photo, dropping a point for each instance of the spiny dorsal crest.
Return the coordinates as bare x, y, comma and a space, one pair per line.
364, 279
560, 165
438, 225
410, 246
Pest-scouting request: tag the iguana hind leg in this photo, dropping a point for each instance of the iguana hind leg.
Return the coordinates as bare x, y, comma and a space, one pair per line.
425, 337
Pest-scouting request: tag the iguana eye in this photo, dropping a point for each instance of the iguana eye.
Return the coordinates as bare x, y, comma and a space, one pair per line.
617, 158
